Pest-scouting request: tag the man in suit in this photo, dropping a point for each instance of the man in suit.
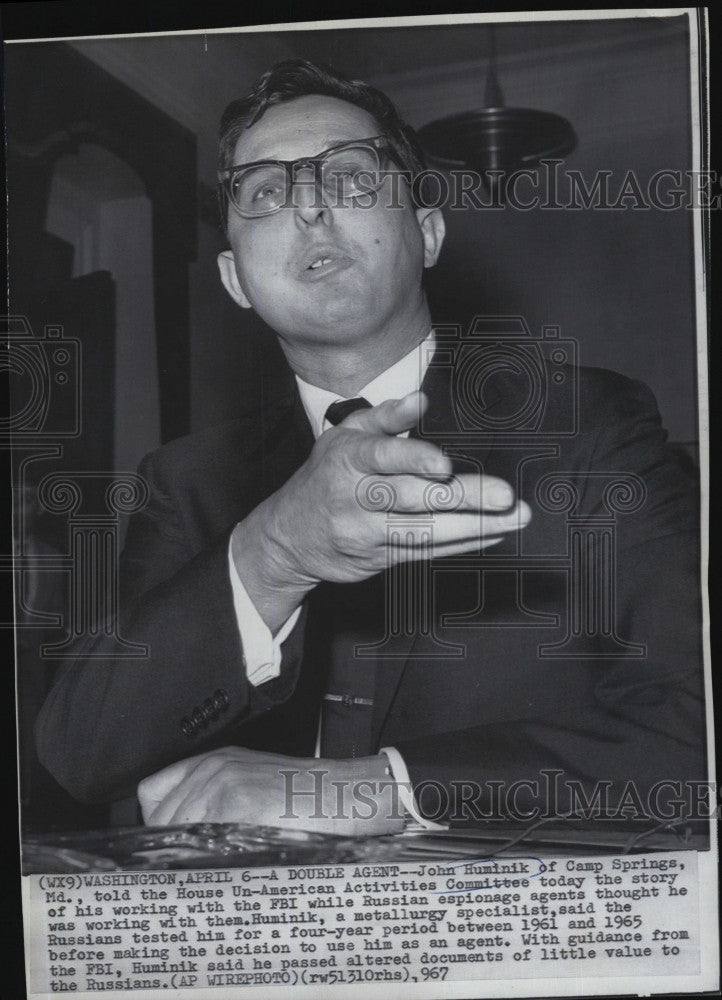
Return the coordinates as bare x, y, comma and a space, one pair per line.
268, 581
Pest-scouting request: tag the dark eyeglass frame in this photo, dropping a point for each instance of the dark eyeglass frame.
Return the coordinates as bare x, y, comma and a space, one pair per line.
378, 143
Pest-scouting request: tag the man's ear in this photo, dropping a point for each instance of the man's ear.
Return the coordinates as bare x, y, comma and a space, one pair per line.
433, 230
227, 268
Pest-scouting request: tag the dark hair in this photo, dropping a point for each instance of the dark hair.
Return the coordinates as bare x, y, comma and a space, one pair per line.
299, 78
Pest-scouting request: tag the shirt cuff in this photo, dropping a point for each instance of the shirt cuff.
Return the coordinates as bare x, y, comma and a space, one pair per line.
261, 650
400, 774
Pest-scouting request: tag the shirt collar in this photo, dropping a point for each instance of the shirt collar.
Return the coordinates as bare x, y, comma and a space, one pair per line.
403, 377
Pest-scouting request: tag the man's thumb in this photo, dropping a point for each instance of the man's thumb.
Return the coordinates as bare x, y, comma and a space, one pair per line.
394, 416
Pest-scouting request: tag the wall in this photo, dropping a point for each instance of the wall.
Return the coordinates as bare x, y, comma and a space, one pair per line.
98, 205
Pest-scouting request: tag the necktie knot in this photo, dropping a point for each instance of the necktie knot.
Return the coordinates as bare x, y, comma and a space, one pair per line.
343, 408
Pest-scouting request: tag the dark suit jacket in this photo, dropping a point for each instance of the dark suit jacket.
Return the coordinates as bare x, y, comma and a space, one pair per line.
503, 708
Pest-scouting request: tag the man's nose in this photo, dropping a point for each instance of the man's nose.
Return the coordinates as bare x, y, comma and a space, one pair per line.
310, 202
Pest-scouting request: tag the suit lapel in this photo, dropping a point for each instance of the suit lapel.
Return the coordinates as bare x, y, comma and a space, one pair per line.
440, 425
436, 425
285, 442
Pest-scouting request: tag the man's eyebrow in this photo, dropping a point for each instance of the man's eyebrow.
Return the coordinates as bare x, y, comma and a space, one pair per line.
326, 143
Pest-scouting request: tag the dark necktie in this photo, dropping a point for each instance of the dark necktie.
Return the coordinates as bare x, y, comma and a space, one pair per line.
345, 407
346, 715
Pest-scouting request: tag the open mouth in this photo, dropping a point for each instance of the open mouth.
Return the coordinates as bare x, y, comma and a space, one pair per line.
321, 262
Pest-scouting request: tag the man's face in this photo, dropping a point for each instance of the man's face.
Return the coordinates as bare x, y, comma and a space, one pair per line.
374, 256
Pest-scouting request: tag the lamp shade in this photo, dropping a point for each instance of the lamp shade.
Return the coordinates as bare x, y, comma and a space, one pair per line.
497, 138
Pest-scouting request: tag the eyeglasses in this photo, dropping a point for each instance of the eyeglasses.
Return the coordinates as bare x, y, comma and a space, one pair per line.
344, 171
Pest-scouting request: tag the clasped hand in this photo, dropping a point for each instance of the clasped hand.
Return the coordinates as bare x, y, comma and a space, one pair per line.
237, 785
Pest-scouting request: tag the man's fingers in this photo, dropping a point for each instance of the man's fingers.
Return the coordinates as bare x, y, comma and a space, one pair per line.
193, 808
463, 548
419, 494
156, 787
472, 527
381, 450
383, 455
177, 785
392, 417
161, 813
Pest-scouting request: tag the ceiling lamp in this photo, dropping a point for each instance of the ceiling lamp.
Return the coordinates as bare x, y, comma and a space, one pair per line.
495, 138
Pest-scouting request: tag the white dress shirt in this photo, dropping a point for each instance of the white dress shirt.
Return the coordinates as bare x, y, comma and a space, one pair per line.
262, 650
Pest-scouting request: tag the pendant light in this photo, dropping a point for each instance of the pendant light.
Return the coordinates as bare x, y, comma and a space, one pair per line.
496, 140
